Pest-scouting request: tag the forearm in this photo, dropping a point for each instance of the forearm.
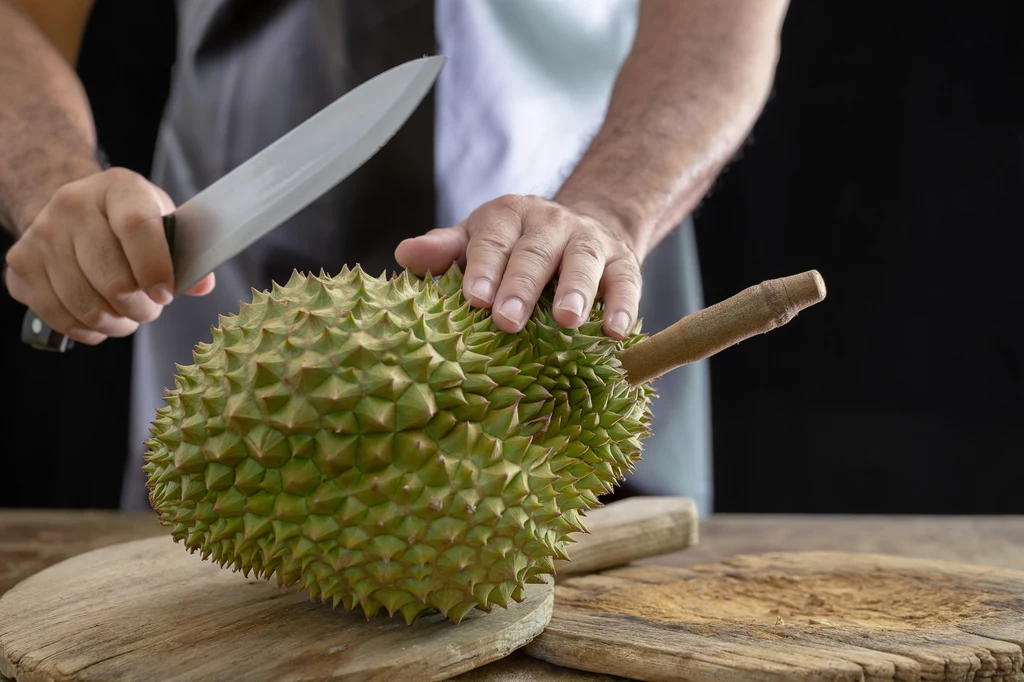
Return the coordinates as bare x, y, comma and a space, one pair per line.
686, 97
46, 127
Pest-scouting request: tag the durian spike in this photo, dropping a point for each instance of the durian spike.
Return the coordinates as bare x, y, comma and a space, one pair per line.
755, 310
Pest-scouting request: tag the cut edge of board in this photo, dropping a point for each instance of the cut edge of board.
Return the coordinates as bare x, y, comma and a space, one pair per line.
514, 627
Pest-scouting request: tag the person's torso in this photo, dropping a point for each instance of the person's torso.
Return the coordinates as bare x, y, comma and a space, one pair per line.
525, 87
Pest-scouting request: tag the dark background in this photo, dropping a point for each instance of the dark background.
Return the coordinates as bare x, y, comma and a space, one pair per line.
890, 158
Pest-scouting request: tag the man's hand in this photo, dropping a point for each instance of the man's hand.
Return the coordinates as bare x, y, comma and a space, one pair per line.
684, 100
513, 246
94, 262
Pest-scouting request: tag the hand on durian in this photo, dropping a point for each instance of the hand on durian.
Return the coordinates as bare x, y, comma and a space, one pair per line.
94, 262
512, 247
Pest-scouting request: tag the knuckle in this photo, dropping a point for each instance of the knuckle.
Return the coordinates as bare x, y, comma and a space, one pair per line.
136, 307
89, 309
119, 175
18, 260
627, 273
131, 220
508, 202
494, 240
119, 284
92, 314
554, 214
522, 283
38, 241
536, 249
582, 279
69, 198
13, 287
587, 246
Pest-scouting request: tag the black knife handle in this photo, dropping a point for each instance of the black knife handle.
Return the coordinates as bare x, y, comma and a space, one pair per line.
39, 335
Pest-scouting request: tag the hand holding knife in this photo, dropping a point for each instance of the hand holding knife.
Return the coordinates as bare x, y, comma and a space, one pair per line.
275, 184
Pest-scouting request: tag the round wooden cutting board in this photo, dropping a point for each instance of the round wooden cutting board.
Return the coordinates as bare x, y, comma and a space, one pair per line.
149, 610
794, 616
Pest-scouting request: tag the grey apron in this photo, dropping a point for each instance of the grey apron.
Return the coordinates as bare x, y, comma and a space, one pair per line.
246, 73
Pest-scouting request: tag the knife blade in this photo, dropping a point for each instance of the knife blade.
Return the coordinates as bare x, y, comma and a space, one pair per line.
246, 203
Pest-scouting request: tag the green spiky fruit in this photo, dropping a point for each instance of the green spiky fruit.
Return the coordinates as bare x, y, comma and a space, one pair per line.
382, 444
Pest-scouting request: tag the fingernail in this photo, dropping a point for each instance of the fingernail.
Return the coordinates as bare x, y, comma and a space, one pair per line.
512, 310
483, 289
573, 302
619, 323
161, 294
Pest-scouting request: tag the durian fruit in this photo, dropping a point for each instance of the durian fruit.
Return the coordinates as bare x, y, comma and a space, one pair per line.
381, 444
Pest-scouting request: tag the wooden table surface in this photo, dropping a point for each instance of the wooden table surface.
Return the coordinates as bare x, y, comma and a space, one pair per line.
32, 540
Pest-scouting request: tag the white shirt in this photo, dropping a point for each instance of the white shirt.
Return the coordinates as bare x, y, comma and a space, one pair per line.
525, 88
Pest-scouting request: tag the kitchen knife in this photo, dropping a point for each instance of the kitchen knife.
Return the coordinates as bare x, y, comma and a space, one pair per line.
275, 184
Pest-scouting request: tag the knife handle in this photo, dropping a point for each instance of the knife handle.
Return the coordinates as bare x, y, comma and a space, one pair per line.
37, 334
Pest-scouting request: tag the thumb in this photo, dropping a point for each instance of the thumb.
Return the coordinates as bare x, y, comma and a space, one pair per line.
434, 251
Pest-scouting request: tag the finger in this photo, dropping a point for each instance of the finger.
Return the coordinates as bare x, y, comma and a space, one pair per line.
76, 293
37, 294
135, 210
203, 286
533, 262
104, 264
621, 284
435, 251
579, 277
493, 230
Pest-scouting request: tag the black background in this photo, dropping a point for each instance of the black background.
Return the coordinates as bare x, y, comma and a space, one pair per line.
890, 158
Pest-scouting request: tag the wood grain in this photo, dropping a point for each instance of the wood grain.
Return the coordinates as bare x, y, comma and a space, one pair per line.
792, 616
518, 667
989, 540
629, 530
30, 540
128, 577
150, 610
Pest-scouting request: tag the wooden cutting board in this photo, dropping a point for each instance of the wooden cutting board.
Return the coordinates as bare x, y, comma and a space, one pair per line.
149, 610
793, 616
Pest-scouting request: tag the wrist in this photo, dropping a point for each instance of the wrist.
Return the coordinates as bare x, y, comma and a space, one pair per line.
32, 191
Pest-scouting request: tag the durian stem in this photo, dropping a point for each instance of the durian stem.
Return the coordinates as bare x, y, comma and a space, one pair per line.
755, 310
